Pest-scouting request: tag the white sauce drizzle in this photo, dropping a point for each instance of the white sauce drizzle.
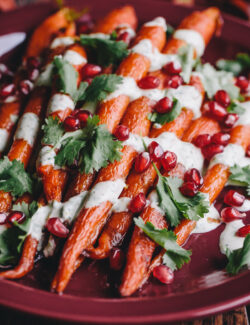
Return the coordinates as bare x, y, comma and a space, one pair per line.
14, 118
46, 157
232, 154
244, 119
158, 21
28, 128
44, 78
229, 239
60, 102
191, 37
4, 137
99, 35
62, 41
121, 205
154, 202
10, 99
74, 57
38, 222
210, 221
128, 29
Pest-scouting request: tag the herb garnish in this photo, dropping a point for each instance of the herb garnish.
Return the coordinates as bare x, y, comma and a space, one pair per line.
241, 63
167, 117
241, 174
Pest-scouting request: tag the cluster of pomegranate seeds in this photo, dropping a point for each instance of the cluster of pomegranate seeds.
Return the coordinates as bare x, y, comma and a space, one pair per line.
229, 214
243, 231
211, 150
202, 140
164, 105
155, 151
242, 83
77, 120
57, 228
142, 162
222, 98
174, 81
116, 259
172, 68
230, 120
216, 111
164, 274
189, 189
168, 160
137, 203
25, 87
234, 198
7, 90
16, 216
90, 70
121, 133
149, 82
193, 175
220, 138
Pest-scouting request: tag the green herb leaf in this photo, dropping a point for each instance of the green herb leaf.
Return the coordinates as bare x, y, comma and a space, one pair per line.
241, 62
239, 258
105, 51
67, 79
14, 178
240, 174
100, 87
53, 131
186, 56
175, 256
236, 108
170, 30
27, 209
94, 147
167, 117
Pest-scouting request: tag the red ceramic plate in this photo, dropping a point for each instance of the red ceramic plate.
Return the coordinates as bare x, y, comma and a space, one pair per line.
201, 288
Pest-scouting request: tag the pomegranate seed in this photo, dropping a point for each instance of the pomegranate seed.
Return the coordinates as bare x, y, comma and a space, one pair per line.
230, 120
211, 150
217, 111
234, 198
230, 214
149, 82
33, 62
121, 132
242, 83
82, 116
85, 27
189, 189
222, 98
7, 90
25, 87
33, 74
155, 151
164, 274
193, 175
57, 228
248, 151
116, 259
137, 203
3, 218
5, 70
142, 162
17, 216
168, 160
71, 123
88, 80
125, 37
172, 68
202, 140
174, 81
164, 105
90, 70
221, 138
243, 231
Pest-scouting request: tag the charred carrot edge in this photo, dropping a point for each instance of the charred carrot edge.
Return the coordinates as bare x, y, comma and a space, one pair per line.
90, 221
123, 15
45, 32
130, 283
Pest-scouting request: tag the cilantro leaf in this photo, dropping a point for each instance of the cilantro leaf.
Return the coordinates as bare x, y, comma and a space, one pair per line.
235, 107
103, 51
53, 130
239, 258
100, 87
240, 174
186, 56
27, 209
94, 147
67, 79
14, 178
167, 117
170, 30
175, 256
241, 62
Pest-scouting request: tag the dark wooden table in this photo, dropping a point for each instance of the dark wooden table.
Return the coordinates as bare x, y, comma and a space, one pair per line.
239, 316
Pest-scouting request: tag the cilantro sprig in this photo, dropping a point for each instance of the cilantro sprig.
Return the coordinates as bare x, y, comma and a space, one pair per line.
105, 51
166, 117
236, 108
241, 174
175, 256
175, 205
93, 147
238, 258
53, 131
14, 178
241, 63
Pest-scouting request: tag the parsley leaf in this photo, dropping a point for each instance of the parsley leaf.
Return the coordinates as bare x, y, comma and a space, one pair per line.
241, 174
14, 178
53, 131
12, 239
236, 108
100, 87
241, 62
175, 256
94, 147
103, 51
239, 258
67, 79
167, 117
186, 56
